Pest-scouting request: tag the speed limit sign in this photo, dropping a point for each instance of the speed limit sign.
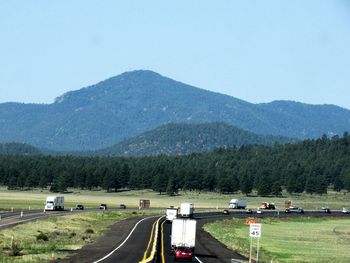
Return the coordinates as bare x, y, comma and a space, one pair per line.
255, 230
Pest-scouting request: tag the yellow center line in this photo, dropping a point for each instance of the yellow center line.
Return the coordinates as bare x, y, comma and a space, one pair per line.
162, 233
149, 242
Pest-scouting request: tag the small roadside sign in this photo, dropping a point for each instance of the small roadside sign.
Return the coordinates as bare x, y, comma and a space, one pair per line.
255, 230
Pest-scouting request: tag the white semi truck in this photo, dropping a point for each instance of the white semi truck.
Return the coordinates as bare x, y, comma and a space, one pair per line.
54, 203
238, 204
183, 237
186, 210
171, 213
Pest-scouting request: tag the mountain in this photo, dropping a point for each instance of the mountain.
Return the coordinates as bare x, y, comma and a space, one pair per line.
18, 149
134, 102
184, 138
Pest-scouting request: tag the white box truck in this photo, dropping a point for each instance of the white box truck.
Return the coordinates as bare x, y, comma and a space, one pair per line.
238, 204
183, 237
186, 210
54, 203
171, 213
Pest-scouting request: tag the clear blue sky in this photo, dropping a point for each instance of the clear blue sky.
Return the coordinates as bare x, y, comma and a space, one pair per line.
257, 51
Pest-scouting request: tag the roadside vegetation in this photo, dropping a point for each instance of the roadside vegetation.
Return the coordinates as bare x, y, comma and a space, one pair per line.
301, 239
45, 240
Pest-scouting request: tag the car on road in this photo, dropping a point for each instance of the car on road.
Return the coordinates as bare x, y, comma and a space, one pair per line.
345, 210
294, 209
226, 212
326, 209
259, 211
122, 206
183, 253
103, 206
249, 211
79, 207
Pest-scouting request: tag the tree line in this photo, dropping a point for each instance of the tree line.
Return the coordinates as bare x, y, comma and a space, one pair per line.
310, 166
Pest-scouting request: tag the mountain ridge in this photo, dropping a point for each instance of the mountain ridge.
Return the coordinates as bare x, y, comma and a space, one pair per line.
126, 105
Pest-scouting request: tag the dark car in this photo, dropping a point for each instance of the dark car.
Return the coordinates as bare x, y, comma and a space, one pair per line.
327, 210
294, 209
183, 253
103, 206
226, 212
249, 211
122, 206
79, 207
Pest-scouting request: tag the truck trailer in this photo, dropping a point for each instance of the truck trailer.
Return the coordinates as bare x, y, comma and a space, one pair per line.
186, 210
54, 203
238, 204
183, 238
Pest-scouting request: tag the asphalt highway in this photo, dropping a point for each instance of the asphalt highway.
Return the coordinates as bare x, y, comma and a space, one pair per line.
132, 241
136, 246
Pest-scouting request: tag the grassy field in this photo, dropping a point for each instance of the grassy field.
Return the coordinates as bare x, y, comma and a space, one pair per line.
290, 240
36, 198
43, 240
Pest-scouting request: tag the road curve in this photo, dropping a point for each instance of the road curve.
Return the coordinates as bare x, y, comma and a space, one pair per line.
128, 241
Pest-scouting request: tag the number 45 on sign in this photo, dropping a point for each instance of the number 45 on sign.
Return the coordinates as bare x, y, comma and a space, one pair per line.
255, 230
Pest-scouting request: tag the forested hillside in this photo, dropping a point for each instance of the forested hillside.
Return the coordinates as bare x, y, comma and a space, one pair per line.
129, 104
185, 138
18, 149
311, 166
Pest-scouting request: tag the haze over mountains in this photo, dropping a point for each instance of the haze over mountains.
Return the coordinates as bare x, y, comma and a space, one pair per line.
134, 102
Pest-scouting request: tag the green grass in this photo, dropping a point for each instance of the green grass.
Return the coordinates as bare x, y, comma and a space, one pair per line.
62, 233
290, 240
36, 198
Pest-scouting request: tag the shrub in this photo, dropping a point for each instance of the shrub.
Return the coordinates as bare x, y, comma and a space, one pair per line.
42, 236
89, 231
15, 249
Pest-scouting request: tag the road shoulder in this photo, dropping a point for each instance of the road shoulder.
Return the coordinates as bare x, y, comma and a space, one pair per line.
114, 235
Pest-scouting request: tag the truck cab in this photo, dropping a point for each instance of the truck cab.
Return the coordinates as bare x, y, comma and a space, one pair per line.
54, 203
171, 213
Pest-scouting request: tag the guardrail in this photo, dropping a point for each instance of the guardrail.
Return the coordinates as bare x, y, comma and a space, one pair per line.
152, 256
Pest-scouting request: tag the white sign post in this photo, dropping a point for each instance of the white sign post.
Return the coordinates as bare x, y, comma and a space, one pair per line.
254, 232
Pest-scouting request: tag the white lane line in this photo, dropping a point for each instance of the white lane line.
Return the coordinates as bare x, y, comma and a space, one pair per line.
198, 260
126, 239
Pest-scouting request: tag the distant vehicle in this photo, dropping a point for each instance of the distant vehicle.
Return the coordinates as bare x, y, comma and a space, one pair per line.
171, 213
238, 204
183, 238
269, 206
249, 211
258, 211
226, 212
122, 206
79, 207
327, 210
345, 210
103, 206
288, 203
186, 210
294, 209
54, 203
183, 253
